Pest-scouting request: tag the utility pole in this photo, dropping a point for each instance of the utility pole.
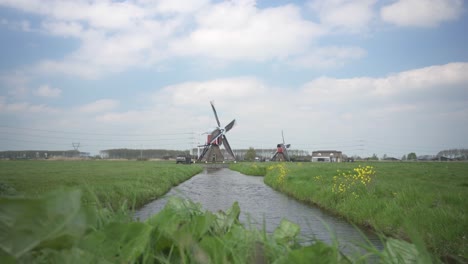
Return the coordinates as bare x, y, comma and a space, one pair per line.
76, 147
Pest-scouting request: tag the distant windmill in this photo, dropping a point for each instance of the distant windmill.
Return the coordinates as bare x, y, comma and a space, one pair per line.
281, 153
211, 151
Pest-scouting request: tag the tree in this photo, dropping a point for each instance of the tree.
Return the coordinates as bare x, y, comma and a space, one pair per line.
374, 157
384, 156
404, 157
250, 154
412, 156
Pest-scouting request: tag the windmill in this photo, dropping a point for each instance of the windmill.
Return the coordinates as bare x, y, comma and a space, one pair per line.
281, 153
211, 151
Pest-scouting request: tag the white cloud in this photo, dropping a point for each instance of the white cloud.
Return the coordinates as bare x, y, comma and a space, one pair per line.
115, 36
19, 91
239, 31
25, 108
98, 106
98, 14
323, 110
61, 28
174, 6
102, 54
252, 100
22, 25
328, 57
221, 90
351, 16
421, 13
429, 83
425, 101
47, 91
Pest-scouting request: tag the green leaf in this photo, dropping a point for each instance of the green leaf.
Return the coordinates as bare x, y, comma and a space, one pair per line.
70, 256
118, 242
55, 220
226, 220
214, 248
319, 252
399, 251
200, 225
286, 232
6, 258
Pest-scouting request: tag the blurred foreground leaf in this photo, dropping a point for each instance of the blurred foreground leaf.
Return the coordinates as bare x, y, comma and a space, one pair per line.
53, 221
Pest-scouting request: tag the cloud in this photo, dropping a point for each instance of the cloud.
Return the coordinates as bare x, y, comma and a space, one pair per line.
434, 84
251, 99
22, 25
98, 14
221, 90
344, 16
328, 57
174, 6
421, 13
101, 54
113, 36
15, 83
47, 91
414, 102
429, 101
249, 33
61, 28
25, 108
116, 36
98, 106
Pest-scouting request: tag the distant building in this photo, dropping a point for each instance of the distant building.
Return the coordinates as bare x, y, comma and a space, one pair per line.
327, 156
426, 157
391, 159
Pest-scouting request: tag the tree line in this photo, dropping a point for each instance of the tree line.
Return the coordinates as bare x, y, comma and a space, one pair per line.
142, 153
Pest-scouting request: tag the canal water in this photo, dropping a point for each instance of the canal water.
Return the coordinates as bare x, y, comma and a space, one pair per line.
261, 206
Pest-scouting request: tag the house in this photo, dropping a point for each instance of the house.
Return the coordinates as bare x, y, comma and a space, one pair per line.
327, 156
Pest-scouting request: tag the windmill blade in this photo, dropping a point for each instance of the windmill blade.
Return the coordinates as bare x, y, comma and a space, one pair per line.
203, 152
274, 155
215, 135
228, 147
216, 115
282, 136
229, 126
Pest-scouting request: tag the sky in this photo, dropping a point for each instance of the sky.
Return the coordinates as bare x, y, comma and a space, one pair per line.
388, 77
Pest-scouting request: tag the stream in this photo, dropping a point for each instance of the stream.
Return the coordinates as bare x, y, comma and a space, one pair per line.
218, 189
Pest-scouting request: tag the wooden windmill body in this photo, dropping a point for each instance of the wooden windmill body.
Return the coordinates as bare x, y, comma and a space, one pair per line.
281, 153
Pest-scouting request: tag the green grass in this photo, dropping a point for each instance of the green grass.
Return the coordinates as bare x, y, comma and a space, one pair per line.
426, 199
405, 199
112, 182
57, 228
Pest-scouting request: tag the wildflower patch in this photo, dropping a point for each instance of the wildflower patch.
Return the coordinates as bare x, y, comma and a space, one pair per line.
281, 172
353, 182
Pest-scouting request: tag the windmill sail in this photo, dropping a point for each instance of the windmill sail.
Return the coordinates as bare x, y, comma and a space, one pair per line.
211, 150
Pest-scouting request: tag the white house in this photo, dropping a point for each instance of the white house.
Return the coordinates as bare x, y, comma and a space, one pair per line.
327, 156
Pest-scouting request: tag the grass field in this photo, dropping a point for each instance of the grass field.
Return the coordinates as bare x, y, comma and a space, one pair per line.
57, 228
401, 199
112, 182
405, 199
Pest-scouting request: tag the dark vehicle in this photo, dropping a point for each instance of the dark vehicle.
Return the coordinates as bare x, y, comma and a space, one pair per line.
184, 159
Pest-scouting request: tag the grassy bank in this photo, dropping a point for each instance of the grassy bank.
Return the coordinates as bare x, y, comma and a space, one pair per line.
57, 228
429, 200
112, 182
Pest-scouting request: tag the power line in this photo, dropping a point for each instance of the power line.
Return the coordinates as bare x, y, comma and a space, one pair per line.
95, 134
90, 139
